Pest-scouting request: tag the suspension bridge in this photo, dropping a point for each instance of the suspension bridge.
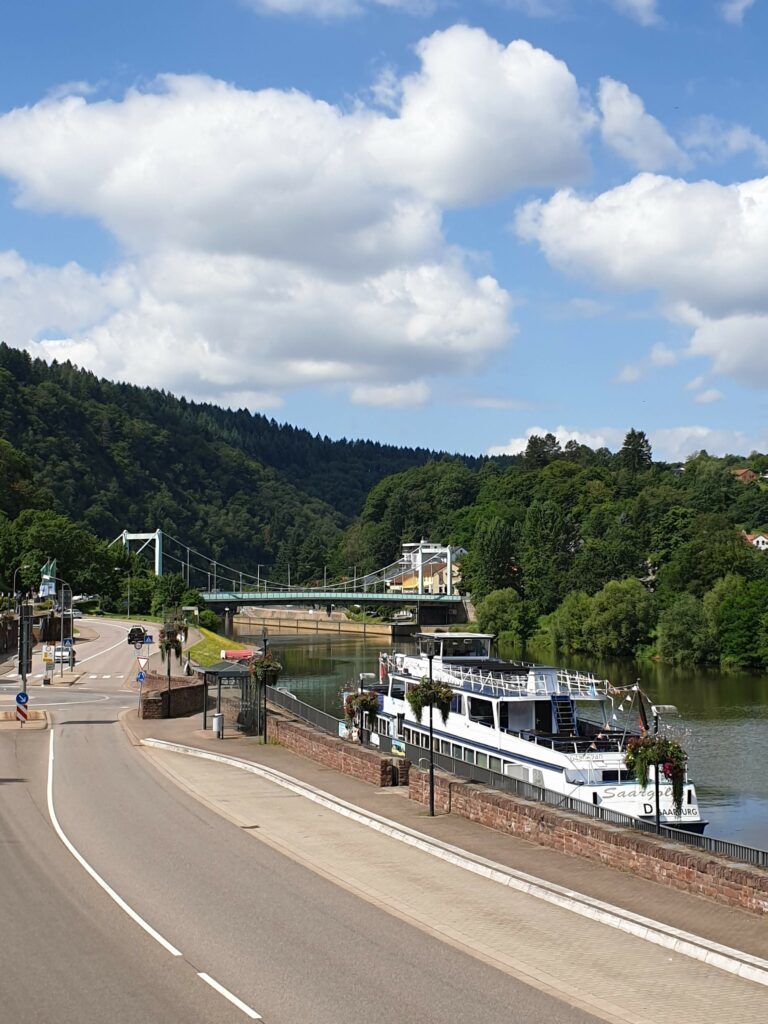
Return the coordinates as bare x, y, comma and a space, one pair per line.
423, 576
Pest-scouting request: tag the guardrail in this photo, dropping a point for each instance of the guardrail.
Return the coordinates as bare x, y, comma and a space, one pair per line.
420, 756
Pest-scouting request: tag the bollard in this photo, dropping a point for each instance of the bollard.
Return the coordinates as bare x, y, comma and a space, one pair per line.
218, 726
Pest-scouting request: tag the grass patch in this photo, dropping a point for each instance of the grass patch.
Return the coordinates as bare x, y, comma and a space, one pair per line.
208, 650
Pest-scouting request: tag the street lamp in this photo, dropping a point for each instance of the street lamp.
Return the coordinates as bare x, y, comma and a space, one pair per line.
657, 710
15, 573
429, 652
64, 584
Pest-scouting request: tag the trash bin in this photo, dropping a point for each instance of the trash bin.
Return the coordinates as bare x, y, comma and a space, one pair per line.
218, 726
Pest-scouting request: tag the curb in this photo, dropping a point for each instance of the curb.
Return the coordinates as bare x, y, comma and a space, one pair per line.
733, 961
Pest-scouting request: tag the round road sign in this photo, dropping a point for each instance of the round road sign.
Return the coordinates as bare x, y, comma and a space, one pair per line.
22, 698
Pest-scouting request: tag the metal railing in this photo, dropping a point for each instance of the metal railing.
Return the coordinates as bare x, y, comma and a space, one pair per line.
485, 776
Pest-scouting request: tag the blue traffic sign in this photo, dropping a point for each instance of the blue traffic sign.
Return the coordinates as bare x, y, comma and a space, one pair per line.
140, 677
22, 698
148, 639
68, 641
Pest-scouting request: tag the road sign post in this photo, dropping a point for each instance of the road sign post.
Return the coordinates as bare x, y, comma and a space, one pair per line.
22, 714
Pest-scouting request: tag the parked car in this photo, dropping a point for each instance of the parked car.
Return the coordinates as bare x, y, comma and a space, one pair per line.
64, 655
76, 613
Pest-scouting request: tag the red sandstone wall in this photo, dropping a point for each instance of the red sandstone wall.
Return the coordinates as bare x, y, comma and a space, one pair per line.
639, 853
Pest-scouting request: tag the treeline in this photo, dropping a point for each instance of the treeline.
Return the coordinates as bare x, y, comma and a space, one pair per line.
230, 483
607, 554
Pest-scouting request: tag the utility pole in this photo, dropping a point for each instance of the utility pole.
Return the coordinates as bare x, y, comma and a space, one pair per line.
431, 747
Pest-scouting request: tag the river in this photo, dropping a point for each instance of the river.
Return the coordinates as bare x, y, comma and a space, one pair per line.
723, 721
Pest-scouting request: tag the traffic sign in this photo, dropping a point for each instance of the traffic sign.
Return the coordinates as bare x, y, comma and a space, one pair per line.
143, 662
68, 641
140, 676
22, 697
148, 639
21, 713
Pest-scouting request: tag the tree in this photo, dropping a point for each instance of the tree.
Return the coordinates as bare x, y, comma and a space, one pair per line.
621, 618
635, 453
504, 611
683, 632
565, 627
491, 564
548, 546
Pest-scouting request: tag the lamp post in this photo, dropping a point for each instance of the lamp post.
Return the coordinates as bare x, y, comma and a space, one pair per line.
657, 710
64, 585
16, 571
430, 656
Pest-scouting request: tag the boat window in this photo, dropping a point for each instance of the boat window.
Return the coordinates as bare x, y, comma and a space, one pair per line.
482, 760
469, 755
396, 688
456, 752
494, 763
465, 647
456, 704
481, 710
446, 748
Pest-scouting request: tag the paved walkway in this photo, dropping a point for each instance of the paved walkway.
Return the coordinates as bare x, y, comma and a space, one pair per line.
613, 975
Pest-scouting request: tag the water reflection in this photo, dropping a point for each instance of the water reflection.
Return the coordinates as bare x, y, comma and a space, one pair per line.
723, 720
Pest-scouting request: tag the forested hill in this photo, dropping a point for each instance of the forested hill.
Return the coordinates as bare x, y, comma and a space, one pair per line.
599, 553
116, 456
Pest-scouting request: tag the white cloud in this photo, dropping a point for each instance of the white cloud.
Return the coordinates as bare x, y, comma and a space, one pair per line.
480, 119
712, 140
644, 11
597, 439
703, 246
629, 374
663, 356
273, 241
491, 402
631, 132
669, 444
709, 396
694, 384
734, 10
674, 444
402, 396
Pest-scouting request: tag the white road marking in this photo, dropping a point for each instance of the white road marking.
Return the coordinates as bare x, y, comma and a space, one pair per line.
247, 1010
94, 874
106, 677
94, 676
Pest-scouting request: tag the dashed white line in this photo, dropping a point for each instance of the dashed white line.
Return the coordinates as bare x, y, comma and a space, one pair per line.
93, 873
247, 1010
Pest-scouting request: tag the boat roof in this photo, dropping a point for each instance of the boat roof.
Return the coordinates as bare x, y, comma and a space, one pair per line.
454, 636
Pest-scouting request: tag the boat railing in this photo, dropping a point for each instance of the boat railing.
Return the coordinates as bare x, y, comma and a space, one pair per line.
505, 684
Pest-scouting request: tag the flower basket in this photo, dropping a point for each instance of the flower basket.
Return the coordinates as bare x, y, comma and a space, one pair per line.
366, 702
266, 669
661, 751
426, 694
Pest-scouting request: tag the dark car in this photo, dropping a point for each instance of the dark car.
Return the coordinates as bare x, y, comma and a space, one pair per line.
136, 635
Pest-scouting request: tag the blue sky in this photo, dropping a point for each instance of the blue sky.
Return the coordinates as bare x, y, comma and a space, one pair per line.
424, 221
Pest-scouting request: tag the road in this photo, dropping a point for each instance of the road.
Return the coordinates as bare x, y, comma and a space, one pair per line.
247, 923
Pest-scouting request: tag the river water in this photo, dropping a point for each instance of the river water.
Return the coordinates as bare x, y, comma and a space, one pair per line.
723, 723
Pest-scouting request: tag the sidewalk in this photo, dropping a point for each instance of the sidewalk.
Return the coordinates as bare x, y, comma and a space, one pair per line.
730, 927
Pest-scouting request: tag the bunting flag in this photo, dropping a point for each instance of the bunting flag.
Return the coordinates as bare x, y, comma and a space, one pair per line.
48, 573
614, 718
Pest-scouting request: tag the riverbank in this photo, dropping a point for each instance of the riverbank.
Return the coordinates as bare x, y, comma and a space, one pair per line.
252, 621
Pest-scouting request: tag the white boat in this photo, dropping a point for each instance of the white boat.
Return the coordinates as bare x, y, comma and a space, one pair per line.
563, 731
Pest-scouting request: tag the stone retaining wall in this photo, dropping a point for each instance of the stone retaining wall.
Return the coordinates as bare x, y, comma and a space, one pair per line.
693, 871
341, 756
186, 696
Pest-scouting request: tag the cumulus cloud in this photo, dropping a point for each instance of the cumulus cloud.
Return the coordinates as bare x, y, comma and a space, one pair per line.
629, 374
605, 438
703, 246
402, 396
714, 141
480, 119
631, 132
663, 356
708, 396
644, 11
273, 241
734, 10
669, 444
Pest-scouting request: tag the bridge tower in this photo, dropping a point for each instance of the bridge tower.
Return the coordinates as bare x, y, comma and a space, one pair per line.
155, 538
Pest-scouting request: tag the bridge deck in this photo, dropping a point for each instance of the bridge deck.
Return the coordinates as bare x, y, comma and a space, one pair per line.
323, 597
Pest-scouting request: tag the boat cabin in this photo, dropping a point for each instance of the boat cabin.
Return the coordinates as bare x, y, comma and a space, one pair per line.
447, 646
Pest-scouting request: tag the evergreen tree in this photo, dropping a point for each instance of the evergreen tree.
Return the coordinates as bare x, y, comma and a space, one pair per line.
635, 453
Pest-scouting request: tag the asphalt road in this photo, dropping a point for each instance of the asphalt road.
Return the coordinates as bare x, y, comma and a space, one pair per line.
288, 944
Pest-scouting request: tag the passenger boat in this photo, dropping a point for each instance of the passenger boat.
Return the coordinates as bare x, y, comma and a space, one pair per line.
562, 731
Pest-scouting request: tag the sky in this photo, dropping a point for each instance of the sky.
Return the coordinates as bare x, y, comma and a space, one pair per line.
426, 222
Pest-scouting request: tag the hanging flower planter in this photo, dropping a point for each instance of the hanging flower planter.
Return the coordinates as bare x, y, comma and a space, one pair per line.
664, 752
426, 694
266, 669
366, 702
